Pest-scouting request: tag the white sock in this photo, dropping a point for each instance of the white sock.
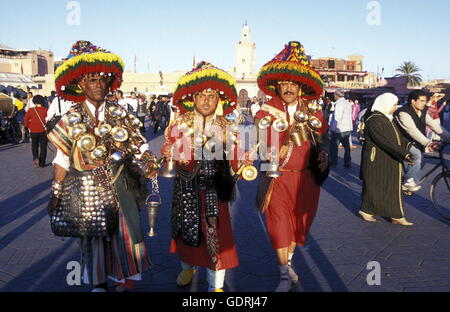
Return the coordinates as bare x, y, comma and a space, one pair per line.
290, 255
215, 279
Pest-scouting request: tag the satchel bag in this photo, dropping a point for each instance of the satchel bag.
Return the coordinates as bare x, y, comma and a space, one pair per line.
88, 206
54, 120
319, 176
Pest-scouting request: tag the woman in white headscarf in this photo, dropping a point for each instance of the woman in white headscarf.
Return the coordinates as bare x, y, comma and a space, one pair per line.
383, 153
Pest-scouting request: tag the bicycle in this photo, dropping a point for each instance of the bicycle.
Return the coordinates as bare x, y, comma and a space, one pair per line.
440, 186
9, 129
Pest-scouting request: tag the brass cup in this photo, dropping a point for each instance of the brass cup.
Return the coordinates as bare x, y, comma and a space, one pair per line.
169, 170
250, 173
153, 208
301, 117
265, 123
296, 137
119, 134
77, 131
280, 125
86, 143
134, 122
314, 108
117, 112
73, 119
315, 123
103, 130
98, 153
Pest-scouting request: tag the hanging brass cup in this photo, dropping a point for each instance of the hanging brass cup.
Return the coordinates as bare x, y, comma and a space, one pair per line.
265, 123
314, 107
103, 130
98, 153
301, 117
249, 173
77, 131
315, 123
73, 119
169, 170
86, 143
280, 125
119, 134
117, 112
153, 207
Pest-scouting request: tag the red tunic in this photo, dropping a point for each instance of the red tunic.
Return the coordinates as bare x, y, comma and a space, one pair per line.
199, 256
292, 199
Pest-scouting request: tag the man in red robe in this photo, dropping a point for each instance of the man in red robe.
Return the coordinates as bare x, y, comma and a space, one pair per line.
201, 227
293, 127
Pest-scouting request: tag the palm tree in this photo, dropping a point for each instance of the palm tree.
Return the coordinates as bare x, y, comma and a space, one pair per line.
411, 72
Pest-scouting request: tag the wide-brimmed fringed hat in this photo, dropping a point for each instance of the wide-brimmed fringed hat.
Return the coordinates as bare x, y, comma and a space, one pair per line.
205, 76
291, 64
85, 58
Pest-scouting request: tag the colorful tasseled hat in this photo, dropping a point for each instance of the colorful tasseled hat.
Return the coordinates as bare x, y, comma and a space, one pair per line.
291, 64
205, 76
86, 58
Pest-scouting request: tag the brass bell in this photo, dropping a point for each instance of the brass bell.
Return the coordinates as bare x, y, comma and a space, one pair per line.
169, 170
250, 173
265, 123
314, 107
153, 208
103, 130
301, 117
77, 131
274, 172
117, 112
86, 143
315, 123
280, 125
119, 134
73, 119
98, 153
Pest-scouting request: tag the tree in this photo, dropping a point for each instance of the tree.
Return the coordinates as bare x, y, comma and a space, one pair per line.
411, 72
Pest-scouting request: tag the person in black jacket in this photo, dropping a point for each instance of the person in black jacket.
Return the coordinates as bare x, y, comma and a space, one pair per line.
384, 150
162, 114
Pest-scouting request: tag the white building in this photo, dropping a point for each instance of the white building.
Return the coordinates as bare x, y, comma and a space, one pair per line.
245, 71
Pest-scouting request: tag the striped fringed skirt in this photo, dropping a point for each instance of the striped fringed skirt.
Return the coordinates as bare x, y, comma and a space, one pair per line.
117, 258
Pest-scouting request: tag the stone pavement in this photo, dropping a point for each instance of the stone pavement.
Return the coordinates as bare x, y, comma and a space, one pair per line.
340, 244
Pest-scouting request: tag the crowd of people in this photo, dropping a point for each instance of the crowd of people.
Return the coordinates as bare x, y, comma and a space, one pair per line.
104, 161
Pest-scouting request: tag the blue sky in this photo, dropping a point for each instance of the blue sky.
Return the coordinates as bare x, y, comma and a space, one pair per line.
165, 34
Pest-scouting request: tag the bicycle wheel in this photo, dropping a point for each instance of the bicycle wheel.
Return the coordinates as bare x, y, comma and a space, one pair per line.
440, 194
446, 155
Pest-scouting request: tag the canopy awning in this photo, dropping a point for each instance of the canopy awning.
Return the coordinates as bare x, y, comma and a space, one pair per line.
16, 80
